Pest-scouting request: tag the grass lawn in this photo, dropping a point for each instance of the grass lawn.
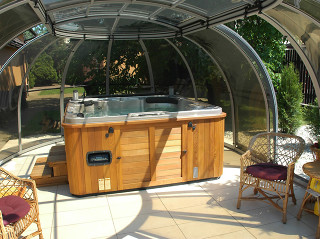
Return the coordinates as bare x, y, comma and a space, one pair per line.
66, 91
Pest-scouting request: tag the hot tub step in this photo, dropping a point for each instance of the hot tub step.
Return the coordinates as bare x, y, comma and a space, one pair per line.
41, 169
51, 170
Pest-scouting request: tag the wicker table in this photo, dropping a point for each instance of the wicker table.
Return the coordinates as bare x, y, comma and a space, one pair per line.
312, 169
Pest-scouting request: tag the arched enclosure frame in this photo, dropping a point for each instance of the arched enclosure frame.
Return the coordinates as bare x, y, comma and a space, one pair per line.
194, 21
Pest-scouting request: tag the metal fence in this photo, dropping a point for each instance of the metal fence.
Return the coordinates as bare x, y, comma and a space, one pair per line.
309, 94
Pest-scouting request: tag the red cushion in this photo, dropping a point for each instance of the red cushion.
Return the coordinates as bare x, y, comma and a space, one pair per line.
268, 171
13, 208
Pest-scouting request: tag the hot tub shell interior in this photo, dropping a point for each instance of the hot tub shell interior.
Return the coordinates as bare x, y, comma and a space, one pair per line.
113, 109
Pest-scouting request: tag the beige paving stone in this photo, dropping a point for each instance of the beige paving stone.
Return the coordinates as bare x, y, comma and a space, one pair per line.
47, 207
47, 194
209, 228
46, 232
135, 207
136, 195
221, 183
229, 192
63, 192
260, 216
299, 192
76, 203
46, 220
310, 219
190, 196
143, 222
211, 213
292, 229
187, 187
231, 205
244, 234
88, 230
81, 216
163, 232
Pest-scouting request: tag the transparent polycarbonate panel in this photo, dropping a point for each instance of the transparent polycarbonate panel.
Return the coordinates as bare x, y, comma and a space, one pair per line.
210, 83
311, 7
70, 26
53, 59
105, 8
128, 69
69, 13
11, 76
212, 8
141, 9
173, 17
88, 68
168, 69
305, 32
41, 117
249, 105
5, 2
265, 80
22, 59
15, 21
130, 26
52, 4
272, 120
101, 25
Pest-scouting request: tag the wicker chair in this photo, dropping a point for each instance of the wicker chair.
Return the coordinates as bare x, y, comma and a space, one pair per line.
268, 168
10, 186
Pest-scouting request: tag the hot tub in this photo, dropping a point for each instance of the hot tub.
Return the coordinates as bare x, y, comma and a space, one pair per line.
124, 143
97, 110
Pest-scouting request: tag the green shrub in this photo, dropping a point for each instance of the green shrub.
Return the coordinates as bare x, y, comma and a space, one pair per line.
43, 72
289, 99
312, 117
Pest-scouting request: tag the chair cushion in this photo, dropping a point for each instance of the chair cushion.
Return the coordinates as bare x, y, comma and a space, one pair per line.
13, 208
268, 171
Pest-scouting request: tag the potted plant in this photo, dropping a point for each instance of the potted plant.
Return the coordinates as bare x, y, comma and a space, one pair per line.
312, 117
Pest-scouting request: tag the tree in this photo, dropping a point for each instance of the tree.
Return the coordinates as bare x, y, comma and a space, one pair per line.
289, 99
43, 72
267, 41
59, 51
128, 69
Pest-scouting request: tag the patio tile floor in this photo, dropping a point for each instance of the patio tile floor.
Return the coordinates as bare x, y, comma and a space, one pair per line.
205, 209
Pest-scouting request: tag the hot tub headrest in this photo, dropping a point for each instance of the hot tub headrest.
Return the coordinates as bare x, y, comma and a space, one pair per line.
87, 103
162, 100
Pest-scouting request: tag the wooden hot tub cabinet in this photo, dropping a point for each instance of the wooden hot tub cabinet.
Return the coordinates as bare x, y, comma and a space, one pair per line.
144, 153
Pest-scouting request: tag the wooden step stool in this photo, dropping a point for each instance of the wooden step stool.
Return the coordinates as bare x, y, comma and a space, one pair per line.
51, 170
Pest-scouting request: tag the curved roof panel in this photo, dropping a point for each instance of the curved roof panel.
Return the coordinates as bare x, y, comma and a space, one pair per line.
310, 7
127, 19
15, 21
